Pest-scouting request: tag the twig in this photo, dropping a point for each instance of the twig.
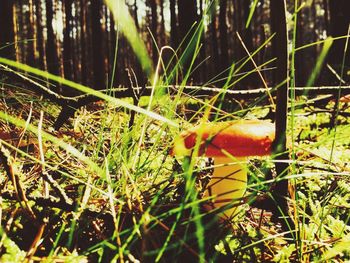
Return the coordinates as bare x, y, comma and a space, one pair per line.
257, 70
57, 188
145, 91
43, 90
11, 171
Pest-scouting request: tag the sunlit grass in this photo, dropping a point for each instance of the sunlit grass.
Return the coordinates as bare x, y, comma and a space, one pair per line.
122, 170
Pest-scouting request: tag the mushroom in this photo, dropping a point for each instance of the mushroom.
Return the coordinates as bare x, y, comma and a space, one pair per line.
229, 144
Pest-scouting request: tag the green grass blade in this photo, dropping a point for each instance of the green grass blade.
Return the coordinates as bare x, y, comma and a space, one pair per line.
320, 61
87, 90
123, 18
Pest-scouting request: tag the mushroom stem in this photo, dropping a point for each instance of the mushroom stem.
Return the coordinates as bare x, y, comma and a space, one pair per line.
228, 183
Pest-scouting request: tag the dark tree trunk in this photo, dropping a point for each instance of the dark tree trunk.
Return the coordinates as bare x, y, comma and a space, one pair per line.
51, 47
97, 45
7, 35
187, 18
67, 45
173, 25
20, 35
113, 50
83, 40
247, 38
104, 43
136, 19
326, 14
154, 26
223, 36
247, 35
17, 24
339, 23
214, 39
59, 48
75, 47
280, 52
301, 72
241, 12
31, 34
162, 35
109, 44
40, 44
202, 54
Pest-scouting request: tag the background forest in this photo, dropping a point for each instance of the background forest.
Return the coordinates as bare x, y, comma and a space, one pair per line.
77, 39
94, 94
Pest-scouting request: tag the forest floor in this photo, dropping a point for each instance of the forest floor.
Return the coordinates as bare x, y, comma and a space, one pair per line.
104, 187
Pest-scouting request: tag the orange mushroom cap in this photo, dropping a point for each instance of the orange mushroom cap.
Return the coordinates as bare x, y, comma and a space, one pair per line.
238, 138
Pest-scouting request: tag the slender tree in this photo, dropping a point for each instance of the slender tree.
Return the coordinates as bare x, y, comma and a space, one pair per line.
97, 45
202, 54
136, 19
162, 33
301, 71
223, 36
187, 16
338, 26
280, 52
83, 40
75, 47
214, 41
113, 47
242, 9
67, 45
187, 19
7, 33
173, 25
51, 42
59, 9
40, 44
31, 35
154, 27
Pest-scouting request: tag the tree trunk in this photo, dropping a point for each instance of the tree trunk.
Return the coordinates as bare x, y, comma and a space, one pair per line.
113, 49
339, 23
223, 36
97, 46
187, 18
214, 39
247, 37
7, 35
83, 40
154, 26
51, 46
301, 72
75, 47
67, 45
326, 14
162, 33
202, 54
173, 25
31, 34
136, 19
280, 52
40, 43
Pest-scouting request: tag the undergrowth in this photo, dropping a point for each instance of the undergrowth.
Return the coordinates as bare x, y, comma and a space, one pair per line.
137, 203
105, 187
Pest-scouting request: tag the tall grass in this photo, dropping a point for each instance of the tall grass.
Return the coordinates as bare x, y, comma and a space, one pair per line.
132, 201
